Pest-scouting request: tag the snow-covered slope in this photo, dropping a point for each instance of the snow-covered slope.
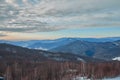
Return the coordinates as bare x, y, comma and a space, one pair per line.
116, 58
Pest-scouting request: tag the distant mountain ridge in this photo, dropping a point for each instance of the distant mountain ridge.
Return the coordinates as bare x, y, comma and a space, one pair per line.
10, 52
100, 50
103, 48
50, 44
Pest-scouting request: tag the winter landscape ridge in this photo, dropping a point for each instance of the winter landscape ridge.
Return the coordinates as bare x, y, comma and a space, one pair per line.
90, 56
59, 39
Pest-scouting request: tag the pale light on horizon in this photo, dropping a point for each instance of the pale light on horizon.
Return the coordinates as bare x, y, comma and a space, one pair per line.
52, 19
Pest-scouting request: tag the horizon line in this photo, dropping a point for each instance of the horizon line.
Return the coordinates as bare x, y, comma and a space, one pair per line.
58, 38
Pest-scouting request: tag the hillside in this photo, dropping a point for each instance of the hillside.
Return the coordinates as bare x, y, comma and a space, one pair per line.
101, 50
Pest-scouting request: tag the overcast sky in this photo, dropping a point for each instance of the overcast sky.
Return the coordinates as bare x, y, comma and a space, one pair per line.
49, 19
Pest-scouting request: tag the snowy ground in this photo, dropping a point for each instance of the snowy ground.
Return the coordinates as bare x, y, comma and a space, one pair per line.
1, 78
116, 58
80, 78
117, 78
84, 78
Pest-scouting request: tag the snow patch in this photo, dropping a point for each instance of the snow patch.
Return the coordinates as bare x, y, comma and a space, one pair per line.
1, 78
40, 48
80, 59
116, 58
59, 59
85, 78
117, 78
117, 44
80, 78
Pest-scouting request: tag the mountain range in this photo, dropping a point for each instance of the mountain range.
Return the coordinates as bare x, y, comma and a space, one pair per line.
100, 50
11, 53
91, 48
50, 44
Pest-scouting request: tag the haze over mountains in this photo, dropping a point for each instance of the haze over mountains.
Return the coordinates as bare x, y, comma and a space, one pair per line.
11, 52
103, 48
49, 44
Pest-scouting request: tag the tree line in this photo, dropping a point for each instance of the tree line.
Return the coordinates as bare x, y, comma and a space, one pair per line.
54, 70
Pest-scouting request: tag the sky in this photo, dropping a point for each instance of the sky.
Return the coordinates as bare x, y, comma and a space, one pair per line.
51, 19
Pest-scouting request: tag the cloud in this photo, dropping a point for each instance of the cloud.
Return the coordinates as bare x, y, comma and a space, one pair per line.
2, 34
51, 15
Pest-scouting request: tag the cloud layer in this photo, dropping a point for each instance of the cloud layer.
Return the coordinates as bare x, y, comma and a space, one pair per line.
51, 15
2, 34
